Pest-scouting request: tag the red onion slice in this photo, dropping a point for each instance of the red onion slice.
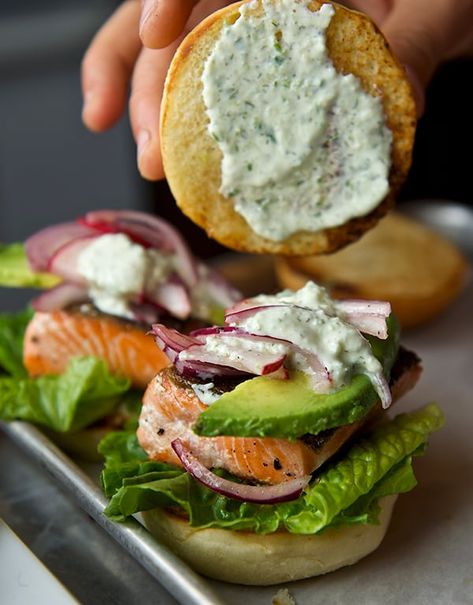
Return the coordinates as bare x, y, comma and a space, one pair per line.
367, 316
282, 373
320, 377
144, 313
375, 325
173, 297
211, 330
60, 297
170, 341
242, 305
259, 494
64, 261
381, 387
237, 314
42, 246
362, 307
207, 371
240, 357
159, 234
141, 234
235, 331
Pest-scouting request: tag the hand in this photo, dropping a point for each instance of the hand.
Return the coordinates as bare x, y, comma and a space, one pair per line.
135, 47
138, 42
422, 34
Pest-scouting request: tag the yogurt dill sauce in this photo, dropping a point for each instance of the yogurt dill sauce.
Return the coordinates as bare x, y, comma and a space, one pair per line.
299, 140
309, 318
119, 271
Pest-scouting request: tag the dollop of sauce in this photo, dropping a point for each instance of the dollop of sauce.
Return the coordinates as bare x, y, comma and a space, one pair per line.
118, 271
312, 321
304, 147
206, 393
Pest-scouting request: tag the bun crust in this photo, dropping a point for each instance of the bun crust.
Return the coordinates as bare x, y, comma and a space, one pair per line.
400, 260
81, 444
247, 558
192, 158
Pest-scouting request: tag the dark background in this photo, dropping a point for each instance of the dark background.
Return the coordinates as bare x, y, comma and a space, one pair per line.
52, 169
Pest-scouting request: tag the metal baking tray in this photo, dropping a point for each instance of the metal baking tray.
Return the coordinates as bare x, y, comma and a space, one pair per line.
428, 544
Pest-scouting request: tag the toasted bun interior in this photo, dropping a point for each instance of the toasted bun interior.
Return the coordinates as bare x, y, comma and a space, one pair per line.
192, 158
247, 558
399, 260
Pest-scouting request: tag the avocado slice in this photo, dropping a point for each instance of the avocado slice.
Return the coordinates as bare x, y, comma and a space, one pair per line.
15, 271
268, 407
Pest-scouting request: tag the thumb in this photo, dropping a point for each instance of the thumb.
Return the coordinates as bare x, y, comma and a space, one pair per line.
162, 21
416, 34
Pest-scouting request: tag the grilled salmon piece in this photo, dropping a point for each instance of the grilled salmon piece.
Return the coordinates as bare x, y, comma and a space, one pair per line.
170, 408
52, 338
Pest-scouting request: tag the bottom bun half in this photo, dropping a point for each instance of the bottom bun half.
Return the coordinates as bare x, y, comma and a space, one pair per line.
80, 444
247, 558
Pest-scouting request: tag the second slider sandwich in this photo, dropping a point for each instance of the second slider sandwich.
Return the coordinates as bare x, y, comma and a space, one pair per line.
261, 459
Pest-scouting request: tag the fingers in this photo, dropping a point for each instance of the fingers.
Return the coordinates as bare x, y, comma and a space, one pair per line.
107, 67
162, 21
147, 91
416, 33
376, 9
145, 101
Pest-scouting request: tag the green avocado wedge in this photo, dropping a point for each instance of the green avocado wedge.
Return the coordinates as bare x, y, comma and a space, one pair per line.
16, 273
268, 407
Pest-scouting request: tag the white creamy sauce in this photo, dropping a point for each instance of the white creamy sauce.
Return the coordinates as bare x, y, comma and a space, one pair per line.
304, 147
315, 326
206, 393
234, 349
118, 271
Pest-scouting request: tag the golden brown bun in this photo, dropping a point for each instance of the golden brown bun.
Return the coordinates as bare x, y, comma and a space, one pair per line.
399, 260
192, 158
247, 558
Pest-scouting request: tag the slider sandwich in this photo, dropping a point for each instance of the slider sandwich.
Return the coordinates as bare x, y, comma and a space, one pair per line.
83, 356
265, 454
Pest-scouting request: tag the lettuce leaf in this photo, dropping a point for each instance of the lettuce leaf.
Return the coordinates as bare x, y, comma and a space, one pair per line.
15, 270
12, 331
345, 492
85, 393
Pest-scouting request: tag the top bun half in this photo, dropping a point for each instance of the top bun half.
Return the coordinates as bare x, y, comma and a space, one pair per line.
192, 158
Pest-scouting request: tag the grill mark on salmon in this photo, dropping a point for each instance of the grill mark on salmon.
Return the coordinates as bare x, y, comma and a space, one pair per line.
52, 339
170, 408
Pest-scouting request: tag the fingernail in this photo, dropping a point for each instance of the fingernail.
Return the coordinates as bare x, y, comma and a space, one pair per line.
87, 103
142, 141
146, 10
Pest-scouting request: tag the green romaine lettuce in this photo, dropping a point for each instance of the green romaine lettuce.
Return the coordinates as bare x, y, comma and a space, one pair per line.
12, 331
344, 492
85, 393
15, 270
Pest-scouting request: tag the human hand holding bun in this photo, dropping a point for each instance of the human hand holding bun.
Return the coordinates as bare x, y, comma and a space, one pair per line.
421, 34
273, 144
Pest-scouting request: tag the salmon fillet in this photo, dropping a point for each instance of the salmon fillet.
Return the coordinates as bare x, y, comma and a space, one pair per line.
170, 409
52, 338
